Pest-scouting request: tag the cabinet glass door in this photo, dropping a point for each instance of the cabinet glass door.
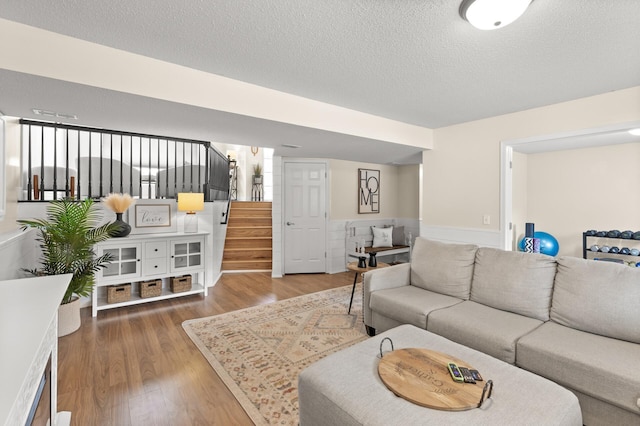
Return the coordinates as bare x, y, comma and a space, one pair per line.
113, 268
124, 261
194, 254
186, 255
180, 259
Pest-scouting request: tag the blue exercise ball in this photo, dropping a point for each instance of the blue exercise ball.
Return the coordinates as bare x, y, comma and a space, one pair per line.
548, 243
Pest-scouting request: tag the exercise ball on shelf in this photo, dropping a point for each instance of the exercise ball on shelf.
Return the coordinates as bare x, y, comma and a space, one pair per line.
548, 243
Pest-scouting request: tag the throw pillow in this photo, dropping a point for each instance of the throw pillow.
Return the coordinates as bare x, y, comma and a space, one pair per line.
398, 236
382, 237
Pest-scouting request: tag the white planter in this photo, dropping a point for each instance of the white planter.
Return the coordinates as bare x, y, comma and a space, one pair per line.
69, 317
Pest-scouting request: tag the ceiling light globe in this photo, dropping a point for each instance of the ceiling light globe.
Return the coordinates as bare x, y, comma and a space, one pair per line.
492, 14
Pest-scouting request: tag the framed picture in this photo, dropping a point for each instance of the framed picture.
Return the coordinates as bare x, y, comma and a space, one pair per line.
368, 191
154, 216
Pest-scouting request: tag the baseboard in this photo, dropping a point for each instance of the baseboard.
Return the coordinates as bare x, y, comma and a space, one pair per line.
214, 281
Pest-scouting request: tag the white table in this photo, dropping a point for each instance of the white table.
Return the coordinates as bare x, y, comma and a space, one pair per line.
28, 336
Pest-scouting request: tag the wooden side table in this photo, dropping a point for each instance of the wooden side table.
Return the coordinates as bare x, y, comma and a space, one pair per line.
353, 266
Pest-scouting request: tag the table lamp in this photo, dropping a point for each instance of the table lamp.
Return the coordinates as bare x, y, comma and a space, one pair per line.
190, 202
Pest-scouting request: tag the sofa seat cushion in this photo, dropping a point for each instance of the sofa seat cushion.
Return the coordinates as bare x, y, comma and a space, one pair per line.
514, 281
483, 328
443, 268
597, 297
598, 366
409, 304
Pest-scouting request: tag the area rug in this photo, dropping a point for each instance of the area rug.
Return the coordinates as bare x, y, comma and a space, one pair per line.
259, 352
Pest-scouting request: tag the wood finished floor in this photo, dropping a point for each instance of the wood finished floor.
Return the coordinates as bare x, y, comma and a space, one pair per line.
136, 366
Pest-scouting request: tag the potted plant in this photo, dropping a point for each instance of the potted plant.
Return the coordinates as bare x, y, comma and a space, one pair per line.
257, 173
66, 238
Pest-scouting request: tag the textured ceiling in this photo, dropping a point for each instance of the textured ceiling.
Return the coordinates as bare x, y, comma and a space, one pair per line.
413, 61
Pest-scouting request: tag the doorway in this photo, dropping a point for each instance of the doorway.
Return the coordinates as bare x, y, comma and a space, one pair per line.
511, 151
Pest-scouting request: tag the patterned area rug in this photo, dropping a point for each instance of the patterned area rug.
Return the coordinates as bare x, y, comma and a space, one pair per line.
259, 352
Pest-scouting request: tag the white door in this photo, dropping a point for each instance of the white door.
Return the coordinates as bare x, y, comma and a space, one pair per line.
304, 217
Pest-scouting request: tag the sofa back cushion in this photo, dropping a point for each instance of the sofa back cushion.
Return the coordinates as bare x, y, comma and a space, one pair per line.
513, 281
443, 268
598, 297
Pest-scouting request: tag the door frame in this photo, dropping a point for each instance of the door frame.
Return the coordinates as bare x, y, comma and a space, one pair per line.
327, 204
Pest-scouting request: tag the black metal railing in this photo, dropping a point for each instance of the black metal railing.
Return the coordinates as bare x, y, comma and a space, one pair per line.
63, 160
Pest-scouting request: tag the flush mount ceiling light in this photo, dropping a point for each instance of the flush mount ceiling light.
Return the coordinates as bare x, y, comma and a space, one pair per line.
492, 14
635, 132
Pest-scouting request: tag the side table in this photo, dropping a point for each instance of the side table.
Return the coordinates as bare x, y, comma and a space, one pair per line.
353, 266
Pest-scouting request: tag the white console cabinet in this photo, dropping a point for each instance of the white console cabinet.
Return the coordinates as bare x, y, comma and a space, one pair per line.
140, 258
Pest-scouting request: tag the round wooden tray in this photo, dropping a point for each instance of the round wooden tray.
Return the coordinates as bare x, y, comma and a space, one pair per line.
421, 376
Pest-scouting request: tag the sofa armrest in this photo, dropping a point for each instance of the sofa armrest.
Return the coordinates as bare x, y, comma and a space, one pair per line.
380, 279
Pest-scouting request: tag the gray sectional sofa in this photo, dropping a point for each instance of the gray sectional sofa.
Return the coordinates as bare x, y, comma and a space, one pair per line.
573, 321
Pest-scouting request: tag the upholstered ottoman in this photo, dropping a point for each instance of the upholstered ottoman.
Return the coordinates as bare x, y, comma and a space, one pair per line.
344, 389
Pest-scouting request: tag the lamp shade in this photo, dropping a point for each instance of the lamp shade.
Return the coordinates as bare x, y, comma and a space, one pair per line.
190, 201
492, 14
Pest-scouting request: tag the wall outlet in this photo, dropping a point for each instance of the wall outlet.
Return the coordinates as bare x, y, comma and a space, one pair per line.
486, 219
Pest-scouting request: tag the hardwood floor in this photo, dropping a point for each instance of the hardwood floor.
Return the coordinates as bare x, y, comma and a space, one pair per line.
136, 366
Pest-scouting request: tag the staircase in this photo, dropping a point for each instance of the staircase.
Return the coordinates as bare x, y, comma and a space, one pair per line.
248, 242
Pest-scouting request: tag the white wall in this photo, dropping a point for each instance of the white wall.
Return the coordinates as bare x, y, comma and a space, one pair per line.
12, 175
277, 244
520, 198
399, 191
572, 191
17, 248
462, 174
408, 192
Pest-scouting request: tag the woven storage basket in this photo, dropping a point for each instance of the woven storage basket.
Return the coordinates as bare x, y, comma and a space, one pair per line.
182, 283
151, 288
118, 293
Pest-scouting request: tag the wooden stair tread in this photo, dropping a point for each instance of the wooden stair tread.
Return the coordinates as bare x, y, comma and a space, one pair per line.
249, 238
249, 227
248, 217
249, 248
253, 209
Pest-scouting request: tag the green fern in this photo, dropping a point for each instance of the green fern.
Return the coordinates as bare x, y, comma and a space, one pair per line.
67, 237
